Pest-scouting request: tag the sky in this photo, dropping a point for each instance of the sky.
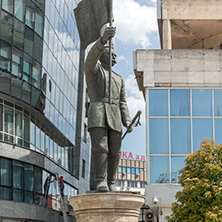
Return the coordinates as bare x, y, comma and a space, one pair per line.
136, 23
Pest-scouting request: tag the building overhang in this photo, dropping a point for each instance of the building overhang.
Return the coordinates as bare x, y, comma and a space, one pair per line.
178, 68
188, 23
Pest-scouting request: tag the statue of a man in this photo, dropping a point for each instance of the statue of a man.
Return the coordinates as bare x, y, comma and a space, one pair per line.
104, 119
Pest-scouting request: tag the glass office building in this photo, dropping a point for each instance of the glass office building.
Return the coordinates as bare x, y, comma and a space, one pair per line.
42, 124
178, 121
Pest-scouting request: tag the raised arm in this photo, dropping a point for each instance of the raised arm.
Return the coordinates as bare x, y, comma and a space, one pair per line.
97, 50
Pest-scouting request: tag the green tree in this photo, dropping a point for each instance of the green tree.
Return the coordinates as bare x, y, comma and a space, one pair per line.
201, 197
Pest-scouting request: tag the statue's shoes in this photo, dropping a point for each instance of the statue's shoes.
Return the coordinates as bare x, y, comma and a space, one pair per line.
102, 186
112, 187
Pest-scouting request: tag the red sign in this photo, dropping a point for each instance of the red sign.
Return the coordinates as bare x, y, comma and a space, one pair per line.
129, 155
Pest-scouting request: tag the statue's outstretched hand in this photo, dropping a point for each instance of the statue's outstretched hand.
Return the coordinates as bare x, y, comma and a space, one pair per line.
129, 127
108, 33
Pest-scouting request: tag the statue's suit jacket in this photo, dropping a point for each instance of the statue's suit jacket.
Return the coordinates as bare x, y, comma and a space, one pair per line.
100, 112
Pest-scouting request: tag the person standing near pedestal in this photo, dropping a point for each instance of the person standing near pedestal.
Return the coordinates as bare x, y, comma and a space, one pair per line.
105, 118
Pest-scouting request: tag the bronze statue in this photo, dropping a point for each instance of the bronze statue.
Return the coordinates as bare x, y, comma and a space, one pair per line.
105, 119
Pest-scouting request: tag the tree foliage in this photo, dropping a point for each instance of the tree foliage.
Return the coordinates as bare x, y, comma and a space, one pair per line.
201, 197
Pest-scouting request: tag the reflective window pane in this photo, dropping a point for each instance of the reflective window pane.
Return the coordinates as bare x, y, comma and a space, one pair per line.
5, 193
202, 102
17, 195
18, 127
17, 64
180, 102
177, 163
29, 17
202, 128
26, 131
159, 136
5, 57
218, 131
180, 136
27, 69
29, 38
8, 124
18, 175
29, 177
6, 22
217, 102
159, 169
36, 74
38, 45
7, 5
5, 172
26, 92
158, 100
19, 9
37, 180
38, 22
18, 34
28, 197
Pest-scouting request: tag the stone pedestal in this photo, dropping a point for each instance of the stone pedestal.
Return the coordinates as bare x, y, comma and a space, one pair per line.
107, 207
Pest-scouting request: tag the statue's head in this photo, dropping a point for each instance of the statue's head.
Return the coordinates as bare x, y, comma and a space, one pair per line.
104, 59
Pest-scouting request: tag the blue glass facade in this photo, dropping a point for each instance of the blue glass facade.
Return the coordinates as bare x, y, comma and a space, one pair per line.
39, 80
178, 121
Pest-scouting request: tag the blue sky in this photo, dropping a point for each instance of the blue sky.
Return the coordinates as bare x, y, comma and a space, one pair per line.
136, 22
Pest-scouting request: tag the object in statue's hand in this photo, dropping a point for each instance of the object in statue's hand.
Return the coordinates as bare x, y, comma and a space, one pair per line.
129, 127
108, 33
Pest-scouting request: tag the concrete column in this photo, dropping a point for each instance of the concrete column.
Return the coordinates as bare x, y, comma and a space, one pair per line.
101, 207
167, 36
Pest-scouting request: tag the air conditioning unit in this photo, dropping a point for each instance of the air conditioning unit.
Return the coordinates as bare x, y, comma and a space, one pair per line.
149, 216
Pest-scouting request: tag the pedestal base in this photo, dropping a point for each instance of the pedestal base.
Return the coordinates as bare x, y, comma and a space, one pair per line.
107, 207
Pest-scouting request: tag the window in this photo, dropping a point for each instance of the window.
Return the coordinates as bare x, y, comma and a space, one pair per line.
18, 127
158, 100
19, 9
26, 91
218, 131
29, 38
1, 121
83, 168
180, 136
180, 102
7, 5
5, 172
202, 102
177, 163
201, 128
159, 169
6, 26
18, 34
8, 124
38, 22
27, 69
5, 56
217, 102
38, 45
159, 136
30, 17
85, 133
18, 175
17, 62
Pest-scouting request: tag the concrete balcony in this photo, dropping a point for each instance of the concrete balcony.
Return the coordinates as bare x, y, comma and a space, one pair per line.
178, 68
190, 24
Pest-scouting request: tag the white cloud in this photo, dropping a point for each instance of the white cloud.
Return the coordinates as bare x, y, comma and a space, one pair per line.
122, 58
134, 22
135, 99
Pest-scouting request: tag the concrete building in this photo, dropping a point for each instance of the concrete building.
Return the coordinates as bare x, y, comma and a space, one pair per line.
131, 173
43, 128
181, 84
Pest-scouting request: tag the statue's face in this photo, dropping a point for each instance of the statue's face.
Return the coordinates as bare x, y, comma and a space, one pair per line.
104, 59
